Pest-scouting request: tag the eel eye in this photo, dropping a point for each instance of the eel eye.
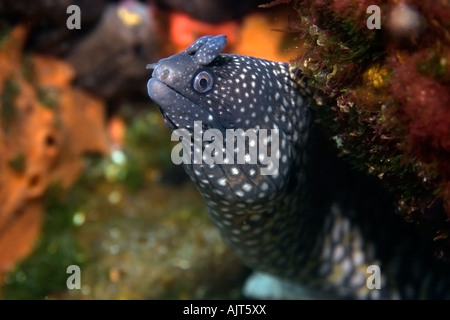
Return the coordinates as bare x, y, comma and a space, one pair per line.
203, 81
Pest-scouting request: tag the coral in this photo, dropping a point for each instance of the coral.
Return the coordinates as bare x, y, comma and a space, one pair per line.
40, 139
384, 97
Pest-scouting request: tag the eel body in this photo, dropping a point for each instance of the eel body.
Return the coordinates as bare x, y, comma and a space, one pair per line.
299, 216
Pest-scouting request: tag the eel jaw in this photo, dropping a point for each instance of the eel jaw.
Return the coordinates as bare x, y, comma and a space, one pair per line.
179, 111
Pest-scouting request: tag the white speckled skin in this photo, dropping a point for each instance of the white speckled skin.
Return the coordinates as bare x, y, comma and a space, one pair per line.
298, 224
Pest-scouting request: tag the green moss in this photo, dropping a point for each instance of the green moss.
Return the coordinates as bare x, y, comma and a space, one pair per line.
146, 150
8, 104
435, 66
148, 147
49, 97
18, 163
354, 44
135, 177
149, 139
336, 50
28, 69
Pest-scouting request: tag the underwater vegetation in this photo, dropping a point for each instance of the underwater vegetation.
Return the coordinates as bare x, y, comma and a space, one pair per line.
40, 140
384, 96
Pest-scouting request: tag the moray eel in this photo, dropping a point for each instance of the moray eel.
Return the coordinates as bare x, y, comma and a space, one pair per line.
307, 221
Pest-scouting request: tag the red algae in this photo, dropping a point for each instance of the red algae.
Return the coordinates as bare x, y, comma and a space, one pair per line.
425, 110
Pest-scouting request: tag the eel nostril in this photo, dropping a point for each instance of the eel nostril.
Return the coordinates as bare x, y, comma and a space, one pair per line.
151, 66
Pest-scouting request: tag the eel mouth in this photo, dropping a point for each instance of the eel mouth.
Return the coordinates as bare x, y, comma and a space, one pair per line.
179, 111
160, 92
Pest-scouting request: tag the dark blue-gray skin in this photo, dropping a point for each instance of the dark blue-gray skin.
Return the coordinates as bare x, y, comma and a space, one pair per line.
313, 222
